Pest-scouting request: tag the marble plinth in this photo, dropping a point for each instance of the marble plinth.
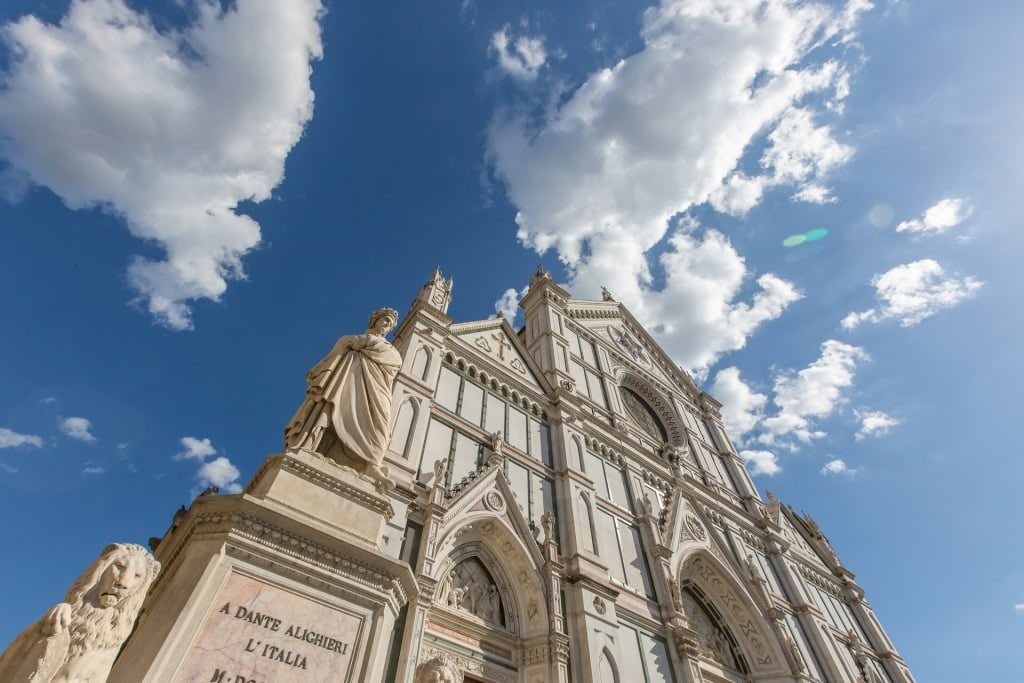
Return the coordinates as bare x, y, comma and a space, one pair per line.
285, 582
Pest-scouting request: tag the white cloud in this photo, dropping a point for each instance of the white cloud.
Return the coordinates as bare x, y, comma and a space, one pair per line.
12, 439
195, 449
522, 57
93, 470
874, 423
837, 467
742, 407
761, 462
77, 428
601, 177
914, 291
811, 394
168, 130
508, 303
9, 469
218, 472
1019, 608
945, 214
221, 473
800, 151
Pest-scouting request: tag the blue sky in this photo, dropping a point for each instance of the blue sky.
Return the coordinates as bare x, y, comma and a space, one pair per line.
197, 202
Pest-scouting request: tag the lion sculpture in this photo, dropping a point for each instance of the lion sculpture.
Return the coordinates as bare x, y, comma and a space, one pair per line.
440, 669
77, 641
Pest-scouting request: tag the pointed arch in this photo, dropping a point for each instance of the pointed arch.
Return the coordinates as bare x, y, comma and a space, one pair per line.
659, 406
420, 368
402, 429
743, 630
586, 522
714, 633
581, 460
607, 671
498, 544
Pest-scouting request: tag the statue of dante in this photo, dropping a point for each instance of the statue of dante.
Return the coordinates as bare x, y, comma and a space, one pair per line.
348, 399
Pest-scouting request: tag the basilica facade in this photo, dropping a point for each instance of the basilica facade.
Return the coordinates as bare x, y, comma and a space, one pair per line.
472, 503
577, 512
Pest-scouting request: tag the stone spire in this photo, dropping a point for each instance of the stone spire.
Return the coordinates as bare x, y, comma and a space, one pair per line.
437, 292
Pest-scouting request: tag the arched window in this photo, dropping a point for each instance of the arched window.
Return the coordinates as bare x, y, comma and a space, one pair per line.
643, 414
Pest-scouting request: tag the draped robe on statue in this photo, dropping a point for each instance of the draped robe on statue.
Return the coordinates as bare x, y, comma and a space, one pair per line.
350, 391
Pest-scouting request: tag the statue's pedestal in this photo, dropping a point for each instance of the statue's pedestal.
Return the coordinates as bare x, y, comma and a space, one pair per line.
284, 582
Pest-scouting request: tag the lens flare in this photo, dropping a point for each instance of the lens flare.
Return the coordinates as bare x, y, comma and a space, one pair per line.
809, 236
880, 215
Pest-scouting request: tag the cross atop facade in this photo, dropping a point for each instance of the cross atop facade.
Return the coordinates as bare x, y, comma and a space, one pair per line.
502, 344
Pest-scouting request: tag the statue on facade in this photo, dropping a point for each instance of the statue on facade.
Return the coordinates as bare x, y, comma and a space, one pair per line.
440, 669
76, 641
860, 656
547, 524
497, 443
752, 573
794, 652
444, 589
346, 414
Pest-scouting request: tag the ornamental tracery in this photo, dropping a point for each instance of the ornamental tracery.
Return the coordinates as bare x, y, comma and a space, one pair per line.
655, 406
642, 414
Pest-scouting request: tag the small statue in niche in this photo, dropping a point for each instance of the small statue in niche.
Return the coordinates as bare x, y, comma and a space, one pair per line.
346, 414
76, 641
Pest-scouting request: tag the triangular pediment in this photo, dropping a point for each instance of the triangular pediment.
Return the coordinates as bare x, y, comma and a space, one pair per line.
686, 526
630, 345
487, 494
495, 341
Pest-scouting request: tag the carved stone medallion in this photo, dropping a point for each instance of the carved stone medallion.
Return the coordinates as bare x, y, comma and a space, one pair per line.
494, 502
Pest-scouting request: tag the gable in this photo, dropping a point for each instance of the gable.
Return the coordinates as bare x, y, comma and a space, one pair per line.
495, 341
629, 345
799, 543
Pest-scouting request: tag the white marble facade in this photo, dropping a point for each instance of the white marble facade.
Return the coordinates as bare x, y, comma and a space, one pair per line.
566, 506
578, 513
